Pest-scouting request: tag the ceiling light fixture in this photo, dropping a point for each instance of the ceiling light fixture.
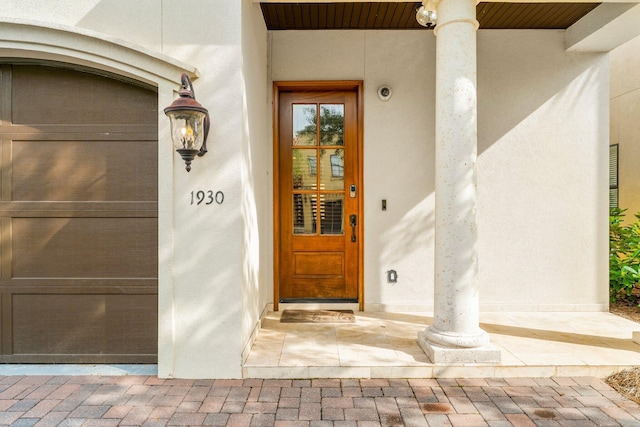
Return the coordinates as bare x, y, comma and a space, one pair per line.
426, 14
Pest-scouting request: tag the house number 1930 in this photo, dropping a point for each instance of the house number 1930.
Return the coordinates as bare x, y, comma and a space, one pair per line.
206, 197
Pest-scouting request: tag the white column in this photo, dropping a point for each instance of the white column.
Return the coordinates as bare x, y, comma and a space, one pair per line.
455, 336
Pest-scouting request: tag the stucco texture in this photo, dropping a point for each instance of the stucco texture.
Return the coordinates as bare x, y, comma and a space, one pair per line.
542, 165
625, 126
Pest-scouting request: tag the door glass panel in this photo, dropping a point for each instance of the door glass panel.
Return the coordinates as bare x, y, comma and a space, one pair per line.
305, 213
304, 124
332, 169
332, 124
331, 213
305, 169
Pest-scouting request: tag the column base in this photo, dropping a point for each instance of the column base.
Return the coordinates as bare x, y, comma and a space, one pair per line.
487, 353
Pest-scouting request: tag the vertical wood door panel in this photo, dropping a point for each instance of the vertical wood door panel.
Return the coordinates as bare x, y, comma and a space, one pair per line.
84, 324
84, 170
52, 95
85, 247
318, 162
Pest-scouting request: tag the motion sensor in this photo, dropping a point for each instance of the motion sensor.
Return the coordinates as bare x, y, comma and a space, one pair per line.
384, 93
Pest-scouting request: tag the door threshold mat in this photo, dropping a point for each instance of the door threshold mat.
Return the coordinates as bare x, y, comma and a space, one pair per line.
317, 316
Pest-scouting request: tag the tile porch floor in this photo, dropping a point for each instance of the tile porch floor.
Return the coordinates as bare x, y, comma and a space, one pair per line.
384, 345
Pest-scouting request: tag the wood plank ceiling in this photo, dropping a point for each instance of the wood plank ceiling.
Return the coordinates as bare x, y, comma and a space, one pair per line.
400, 16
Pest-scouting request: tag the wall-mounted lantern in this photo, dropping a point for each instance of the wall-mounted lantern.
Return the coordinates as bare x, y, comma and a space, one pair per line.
189, 123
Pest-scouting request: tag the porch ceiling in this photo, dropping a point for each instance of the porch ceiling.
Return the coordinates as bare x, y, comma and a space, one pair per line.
402, 15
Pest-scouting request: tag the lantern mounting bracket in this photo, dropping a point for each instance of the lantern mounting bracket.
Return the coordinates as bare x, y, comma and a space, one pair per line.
187, 87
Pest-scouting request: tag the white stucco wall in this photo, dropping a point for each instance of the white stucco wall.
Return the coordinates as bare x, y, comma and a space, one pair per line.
256, 174
212, 258
542, 173
207, 249
398, 147
139, 21
625, 126
542, 167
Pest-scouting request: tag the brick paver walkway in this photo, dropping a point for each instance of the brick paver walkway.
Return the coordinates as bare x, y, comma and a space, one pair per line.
149, 401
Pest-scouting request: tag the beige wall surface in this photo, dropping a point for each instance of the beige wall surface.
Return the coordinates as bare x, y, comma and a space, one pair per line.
256, 202
542, 146
212, 257
542, 173
625, 126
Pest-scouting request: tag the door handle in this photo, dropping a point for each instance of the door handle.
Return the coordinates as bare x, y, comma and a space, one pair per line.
353, 222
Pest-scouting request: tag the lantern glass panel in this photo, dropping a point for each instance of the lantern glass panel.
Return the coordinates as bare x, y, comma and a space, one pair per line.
187, 129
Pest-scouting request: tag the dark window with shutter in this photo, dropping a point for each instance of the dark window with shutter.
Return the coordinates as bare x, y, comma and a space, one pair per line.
613, 176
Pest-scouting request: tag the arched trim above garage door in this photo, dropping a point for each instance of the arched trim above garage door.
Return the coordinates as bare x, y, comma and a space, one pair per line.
37, 40
25, 39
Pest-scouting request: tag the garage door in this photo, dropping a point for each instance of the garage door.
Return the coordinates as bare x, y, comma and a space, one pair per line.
78, 217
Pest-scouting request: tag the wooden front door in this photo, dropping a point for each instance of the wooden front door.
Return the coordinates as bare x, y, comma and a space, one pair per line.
319, 193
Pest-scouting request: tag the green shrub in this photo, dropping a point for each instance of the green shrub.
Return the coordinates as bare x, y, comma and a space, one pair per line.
624, 257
